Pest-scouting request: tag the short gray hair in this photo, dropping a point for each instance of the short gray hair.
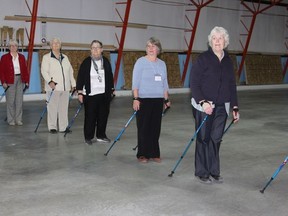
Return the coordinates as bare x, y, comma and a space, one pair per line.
55, 39
13, 42
222, 31
155, 42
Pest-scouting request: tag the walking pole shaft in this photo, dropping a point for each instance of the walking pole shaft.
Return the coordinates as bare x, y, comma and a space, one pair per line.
275, 174
3, 94
186, 149
44, 111
121, 132
73, 119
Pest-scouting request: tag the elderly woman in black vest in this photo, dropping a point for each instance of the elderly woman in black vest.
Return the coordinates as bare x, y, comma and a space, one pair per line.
95, 87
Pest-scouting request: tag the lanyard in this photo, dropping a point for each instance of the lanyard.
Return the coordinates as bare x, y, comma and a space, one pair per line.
95, 65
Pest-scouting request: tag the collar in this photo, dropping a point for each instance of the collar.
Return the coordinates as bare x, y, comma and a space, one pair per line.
53, 56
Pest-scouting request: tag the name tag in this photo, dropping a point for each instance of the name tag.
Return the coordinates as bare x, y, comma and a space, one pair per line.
158, 77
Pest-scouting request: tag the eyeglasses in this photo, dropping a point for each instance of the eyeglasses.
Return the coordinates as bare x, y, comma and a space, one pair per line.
96, 48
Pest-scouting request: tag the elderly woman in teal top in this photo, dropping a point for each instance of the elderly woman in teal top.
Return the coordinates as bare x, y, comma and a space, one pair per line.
150, 94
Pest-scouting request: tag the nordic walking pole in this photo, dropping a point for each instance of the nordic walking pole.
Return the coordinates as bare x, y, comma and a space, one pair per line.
25, 88
3, 94
121, 132
72, 93
275, 174
73, 119
44, 111
231, 123
186, 149
165, 110
163, 113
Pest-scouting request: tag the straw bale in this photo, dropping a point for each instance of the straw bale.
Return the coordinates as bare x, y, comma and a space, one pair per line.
263, 69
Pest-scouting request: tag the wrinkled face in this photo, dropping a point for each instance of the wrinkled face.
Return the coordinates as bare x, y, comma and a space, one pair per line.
151, 49
13, 48
218, 42
55, 45
96, 50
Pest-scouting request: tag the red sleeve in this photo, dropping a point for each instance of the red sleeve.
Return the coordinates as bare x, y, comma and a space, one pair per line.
25, 76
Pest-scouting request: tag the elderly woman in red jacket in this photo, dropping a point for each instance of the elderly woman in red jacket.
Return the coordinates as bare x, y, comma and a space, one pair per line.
14, 75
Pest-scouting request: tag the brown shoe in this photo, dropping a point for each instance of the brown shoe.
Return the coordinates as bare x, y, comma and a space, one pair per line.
157, 160
142, 159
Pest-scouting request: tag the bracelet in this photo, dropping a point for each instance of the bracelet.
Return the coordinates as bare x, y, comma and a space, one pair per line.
235, 109
205, 101
136, 98
166, 101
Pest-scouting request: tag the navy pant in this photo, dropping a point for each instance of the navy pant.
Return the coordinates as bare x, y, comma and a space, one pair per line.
207, 161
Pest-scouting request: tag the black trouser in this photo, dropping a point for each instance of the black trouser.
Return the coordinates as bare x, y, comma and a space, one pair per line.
207, 161
96, 115
149, 127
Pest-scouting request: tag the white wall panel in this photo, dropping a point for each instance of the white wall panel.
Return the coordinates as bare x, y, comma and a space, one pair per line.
268, 35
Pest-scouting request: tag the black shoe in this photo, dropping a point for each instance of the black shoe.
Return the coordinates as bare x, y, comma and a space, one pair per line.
217, 179
88, 141
53, 131
66, 131
204, 180
104, 140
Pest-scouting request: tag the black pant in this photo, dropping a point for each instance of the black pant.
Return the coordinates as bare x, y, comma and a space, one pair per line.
207, 161
149, 127
97, 109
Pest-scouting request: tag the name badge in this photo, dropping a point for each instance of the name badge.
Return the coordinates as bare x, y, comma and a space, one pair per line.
158, 77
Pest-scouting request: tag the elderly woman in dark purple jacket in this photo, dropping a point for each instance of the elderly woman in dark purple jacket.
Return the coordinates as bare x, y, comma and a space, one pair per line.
213, 87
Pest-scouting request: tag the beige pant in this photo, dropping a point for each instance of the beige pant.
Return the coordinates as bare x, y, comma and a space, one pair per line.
57, 110
14, 101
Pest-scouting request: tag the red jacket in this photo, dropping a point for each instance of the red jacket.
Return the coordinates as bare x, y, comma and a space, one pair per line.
7, 69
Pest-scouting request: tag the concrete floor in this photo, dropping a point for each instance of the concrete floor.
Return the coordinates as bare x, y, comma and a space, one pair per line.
47, 174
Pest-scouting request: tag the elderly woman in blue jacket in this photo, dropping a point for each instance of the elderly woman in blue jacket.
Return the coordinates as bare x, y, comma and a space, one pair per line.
213, 86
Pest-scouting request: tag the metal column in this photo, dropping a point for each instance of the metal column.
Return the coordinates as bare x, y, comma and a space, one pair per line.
255, 10
198, 6
122, 39
32, 34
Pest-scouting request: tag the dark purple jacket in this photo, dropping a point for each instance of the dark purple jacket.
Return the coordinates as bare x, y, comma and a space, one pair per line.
213, 80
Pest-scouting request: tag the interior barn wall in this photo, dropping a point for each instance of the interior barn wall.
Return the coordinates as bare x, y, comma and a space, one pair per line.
268, 35
260, 69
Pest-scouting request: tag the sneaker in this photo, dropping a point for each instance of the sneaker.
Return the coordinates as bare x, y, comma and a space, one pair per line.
104, 140
217, 179
142, 159
12, 123
204, 180
88, 141
53, 131
20, 123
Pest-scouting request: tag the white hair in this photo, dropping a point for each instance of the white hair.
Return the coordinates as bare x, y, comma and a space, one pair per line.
222, 31
13, 42
55, 39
